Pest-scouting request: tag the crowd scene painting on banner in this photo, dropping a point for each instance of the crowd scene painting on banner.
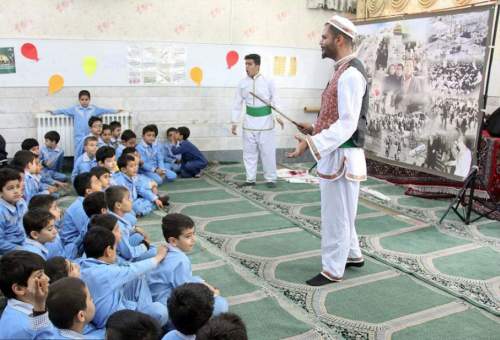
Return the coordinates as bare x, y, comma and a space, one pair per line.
425, 76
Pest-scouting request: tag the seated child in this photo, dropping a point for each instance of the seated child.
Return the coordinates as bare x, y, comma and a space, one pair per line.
106, 135
129, 324
40, 229
103, 175
106, 280
129, 139
178, 231
52, 157
46, 176
189, 308
171, 160
134, 244
95, 204
95, 125
226, 326
106, 221
152, 156
58, 267
75, 219
116, 131
81, 115
192, 160
20, 273
86, 161
12, 209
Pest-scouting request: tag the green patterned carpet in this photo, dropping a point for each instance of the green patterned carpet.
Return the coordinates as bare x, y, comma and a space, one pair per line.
421, 280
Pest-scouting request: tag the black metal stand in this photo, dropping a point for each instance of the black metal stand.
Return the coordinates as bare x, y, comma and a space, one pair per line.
466, 210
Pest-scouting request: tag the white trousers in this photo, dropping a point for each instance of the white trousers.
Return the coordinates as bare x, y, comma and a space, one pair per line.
339, 205
263, 142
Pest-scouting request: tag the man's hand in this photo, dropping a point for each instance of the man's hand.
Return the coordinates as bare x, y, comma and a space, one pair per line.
280, 122
305, 128
300, 148
233, 129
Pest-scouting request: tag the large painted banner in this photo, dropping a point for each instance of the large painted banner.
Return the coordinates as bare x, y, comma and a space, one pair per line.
426, 77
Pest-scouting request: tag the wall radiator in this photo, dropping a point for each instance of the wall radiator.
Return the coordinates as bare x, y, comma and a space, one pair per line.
64, 125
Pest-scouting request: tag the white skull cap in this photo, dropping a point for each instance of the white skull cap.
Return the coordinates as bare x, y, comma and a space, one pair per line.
344, 25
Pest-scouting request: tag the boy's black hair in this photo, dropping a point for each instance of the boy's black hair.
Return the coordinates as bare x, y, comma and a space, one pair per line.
172, 225
8, 174
82, 182
124, 160
16, 267
55, 268
83, 93
96, 241
29, 143
184, 132
225, 326
253, 56
53, 136
114, 124
128, 324
115, 194
94, 119
170, 129
94, 203
129, 150
22, 158
190, 306
106, 127
150, 128
104, 152
98, 171
127, 135
43, 201
89, 139
36, 220
66, 298
106, 221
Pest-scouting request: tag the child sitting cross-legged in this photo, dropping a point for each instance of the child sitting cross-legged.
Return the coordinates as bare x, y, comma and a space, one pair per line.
116, 131
52, 157
87, 160
47, 177
106, 136
192, 160
40, 229
128, 139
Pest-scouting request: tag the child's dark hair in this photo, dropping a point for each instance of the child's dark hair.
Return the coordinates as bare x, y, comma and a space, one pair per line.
98, 171
82, 182
226, 326
114, 125
184, 132
190, 306
124, 160
56, 268
174, 224
22, 158
96, 241
29, 143
43, 201
16, 267
83, 93
106, 221
36, 220
127, 135
7, 175
115, 194
254, 57
94, 203
89, 139
150, 128
106, 127
66, 298
170, 129
94, 119
53, 136
128, 324
104, 152
129, 150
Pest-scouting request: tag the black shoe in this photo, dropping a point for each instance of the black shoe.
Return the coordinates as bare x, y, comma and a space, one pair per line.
271, 185
247, 184
355, 262
321, 280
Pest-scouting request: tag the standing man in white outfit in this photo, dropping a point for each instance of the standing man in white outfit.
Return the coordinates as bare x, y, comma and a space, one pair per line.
336, 140
258, 124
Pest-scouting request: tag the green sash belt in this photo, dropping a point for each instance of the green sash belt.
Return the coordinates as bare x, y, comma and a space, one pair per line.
348, 144
258, 111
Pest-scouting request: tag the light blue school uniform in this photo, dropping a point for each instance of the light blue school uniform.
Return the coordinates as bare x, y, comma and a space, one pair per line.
44, 330
74, 227
176, 335
56, 246
143, 185
106, 283
16, 321
12, 233
81, 116
36, 247
152, 156
170, 159
32, 186
83, 164
174, 272
140, 205
119, 150
53, 160
80, 148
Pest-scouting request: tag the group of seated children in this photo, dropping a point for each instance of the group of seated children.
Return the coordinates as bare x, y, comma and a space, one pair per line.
100, 266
